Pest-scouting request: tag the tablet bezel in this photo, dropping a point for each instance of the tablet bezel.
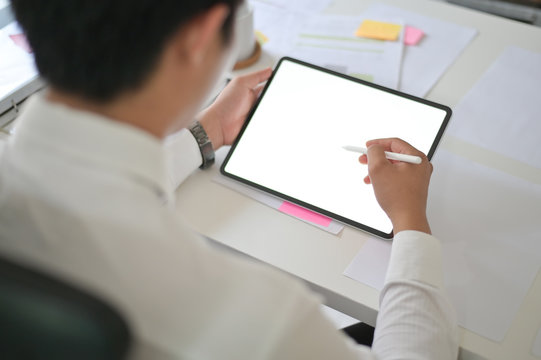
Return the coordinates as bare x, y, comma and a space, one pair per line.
308, 206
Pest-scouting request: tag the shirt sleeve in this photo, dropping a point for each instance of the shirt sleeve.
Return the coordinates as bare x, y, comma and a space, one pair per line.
415, 320
183, 156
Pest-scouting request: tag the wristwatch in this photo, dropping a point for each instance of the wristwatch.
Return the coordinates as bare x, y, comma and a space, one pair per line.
205, 146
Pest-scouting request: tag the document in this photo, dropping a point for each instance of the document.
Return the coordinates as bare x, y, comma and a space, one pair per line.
502, 111
297, 5
269, 23
424, 64
278, 21
330, 41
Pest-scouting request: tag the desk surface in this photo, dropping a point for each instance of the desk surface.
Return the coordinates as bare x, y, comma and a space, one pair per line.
320, 258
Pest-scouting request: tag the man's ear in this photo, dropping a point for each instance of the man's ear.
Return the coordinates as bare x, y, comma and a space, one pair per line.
201, 31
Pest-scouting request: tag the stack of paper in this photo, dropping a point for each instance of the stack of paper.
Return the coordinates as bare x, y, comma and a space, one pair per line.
424, 64
330, 41
363, 46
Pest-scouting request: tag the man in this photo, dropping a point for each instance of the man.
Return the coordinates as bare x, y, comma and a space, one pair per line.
87, 181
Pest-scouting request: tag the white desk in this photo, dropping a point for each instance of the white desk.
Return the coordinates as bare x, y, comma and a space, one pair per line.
320, 258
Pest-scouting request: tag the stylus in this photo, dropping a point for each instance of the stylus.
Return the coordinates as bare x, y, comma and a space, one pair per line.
412, 159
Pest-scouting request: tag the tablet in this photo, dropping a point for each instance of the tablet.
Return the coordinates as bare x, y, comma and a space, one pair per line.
291, 145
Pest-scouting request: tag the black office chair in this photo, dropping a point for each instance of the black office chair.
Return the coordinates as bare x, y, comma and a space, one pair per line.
44, 318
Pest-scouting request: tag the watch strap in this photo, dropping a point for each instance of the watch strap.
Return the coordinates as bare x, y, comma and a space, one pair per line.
205, 145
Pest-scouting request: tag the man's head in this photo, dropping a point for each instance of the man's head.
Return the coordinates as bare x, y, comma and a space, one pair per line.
100, 49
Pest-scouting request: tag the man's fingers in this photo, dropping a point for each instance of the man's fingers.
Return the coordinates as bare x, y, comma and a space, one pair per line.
376, 157
386, 143
395, 145
258, 89
363, 159
256, 78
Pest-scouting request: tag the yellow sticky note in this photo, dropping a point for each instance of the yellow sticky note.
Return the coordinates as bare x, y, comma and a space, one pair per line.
261, 37
379, 30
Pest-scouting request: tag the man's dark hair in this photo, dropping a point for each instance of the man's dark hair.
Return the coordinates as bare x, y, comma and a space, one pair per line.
100, 48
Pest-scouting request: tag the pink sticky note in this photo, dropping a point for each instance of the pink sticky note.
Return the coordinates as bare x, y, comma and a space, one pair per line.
413, 35
20, 41
304, 214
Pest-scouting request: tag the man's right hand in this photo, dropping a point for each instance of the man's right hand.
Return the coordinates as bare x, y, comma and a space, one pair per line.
400, 188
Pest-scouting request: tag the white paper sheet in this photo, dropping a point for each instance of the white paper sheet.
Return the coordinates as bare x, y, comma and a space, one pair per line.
339, 319
280, 20
16, 65
296, 5
370, 264
308, 5
424, 64
271, 201
502, 112
271, 21
488, 222
536, 348
330, 41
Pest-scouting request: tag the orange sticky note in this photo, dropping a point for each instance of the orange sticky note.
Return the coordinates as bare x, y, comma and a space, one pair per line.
379, 30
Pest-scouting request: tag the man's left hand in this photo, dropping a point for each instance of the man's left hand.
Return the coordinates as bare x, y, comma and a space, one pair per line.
224, 118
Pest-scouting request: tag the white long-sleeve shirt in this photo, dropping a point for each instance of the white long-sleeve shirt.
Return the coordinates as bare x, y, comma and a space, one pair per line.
92, 200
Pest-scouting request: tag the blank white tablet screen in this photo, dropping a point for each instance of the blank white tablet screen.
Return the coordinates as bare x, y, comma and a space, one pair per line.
293, 141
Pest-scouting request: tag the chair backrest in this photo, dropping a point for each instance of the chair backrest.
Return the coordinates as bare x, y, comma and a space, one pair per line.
44, 318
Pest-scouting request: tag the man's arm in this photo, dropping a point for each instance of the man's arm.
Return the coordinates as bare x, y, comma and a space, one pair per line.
221, 121
415, 320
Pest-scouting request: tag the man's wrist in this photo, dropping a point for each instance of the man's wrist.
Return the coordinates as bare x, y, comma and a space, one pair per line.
213, 128
411, 222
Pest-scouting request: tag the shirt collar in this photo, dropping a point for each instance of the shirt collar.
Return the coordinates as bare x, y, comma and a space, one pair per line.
91, 137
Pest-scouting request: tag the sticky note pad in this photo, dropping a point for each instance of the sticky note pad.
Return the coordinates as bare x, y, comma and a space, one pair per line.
412, 35
379, 30
304, 214
262, 38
